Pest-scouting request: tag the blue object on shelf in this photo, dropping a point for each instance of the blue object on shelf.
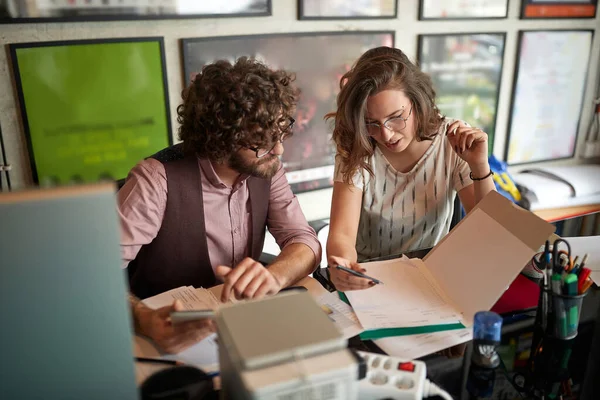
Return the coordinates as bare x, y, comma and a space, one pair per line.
487, 325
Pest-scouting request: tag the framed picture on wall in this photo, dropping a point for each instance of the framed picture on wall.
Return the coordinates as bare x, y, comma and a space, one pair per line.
466, 70
319, 60
544, 9
92, 108
18, 11
462, 9
344, 9
547, 95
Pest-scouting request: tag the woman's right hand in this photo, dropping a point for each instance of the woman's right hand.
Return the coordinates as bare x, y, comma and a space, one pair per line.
344, 281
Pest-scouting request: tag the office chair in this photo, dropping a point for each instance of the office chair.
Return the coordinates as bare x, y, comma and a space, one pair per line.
457, 212
120, 183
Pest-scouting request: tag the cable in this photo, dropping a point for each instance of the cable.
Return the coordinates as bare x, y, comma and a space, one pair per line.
431, 389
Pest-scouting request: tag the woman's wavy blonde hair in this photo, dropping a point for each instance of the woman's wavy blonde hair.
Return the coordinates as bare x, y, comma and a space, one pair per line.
376, 70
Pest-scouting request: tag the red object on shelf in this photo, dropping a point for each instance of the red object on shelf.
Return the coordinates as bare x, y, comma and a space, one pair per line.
523, 293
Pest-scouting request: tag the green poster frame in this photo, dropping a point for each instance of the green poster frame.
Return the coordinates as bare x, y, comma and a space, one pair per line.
91, 109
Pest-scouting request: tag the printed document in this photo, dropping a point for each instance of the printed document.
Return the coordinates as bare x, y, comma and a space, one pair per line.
408, 297
341, 314
192, 299
204, 354
415, 346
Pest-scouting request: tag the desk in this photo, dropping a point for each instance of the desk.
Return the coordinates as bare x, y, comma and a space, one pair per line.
558, 214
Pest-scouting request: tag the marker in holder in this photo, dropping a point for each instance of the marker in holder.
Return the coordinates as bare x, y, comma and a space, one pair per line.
566, 310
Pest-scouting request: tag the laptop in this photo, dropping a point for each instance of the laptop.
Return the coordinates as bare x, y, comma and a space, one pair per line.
65, 326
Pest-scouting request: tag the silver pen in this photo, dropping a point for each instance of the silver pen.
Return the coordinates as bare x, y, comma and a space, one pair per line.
359, 274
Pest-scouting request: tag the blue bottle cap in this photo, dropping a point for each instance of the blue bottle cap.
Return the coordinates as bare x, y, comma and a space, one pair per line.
487, 325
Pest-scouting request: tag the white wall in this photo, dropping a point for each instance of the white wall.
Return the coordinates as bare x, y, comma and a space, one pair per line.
407, 26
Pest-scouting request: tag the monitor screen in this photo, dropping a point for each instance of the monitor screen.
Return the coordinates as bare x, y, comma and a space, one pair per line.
319, 60
66, 327
91, 109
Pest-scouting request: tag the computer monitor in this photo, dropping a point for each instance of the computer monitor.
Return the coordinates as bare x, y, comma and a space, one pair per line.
65, 324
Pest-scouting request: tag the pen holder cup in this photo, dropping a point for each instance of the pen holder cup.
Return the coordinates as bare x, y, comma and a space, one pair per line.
567, 310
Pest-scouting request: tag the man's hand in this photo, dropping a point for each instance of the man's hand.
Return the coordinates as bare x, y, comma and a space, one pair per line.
248, 280
172, 338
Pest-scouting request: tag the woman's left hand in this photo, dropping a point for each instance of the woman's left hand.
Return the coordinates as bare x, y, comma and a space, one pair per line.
471, 144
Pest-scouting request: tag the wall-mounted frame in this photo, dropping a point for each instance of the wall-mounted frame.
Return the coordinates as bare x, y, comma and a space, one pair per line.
462, 9
466, 70
344, 9
318, 59
17, 11
547, 98
91, 108
549, 9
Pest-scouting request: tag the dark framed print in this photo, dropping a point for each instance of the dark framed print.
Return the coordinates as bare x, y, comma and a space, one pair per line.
466, 70
547, 95
462, 9
318, 60
344, 9
16, 11
546, 9
92, 108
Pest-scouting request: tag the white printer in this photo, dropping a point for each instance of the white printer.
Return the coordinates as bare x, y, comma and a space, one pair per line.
284, 347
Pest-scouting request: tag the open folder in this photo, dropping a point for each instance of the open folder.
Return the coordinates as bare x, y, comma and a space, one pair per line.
466, 272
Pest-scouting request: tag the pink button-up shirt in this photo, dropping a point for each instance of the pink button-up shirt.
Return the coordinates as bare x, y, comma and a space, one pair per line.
142, 201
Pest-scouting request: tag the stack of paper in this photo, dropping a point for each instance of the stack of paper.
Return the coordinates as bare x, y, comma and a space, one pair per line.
416, 346
192, 299
409, 297
341, 314
204, 354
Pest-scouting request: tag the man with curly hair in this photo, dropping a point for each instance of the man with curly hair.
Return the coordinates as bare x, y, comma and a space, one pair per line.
196, 213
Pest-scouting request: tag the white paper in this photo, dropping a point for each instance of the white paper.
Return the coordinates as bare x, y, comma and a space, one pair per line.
192, 299
204, 354
590, 245
341, 314
408, 297
415, 346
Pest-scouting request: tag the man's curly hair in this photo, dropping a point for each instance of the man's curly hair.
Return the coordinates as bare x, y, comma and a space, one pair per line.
227, 107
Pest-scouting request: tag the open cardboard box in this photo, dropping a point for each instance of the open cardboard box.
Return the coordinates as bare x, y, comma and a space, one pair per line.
470, 268
477, 261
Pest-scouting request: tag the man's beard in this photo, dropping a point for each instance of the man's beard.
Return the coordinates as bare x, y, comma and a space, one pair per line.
258, 169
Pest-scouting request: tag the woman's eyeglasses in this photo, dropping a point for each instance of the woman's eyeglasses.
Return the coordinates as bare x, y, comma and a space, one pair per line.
286, 132
394, 124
